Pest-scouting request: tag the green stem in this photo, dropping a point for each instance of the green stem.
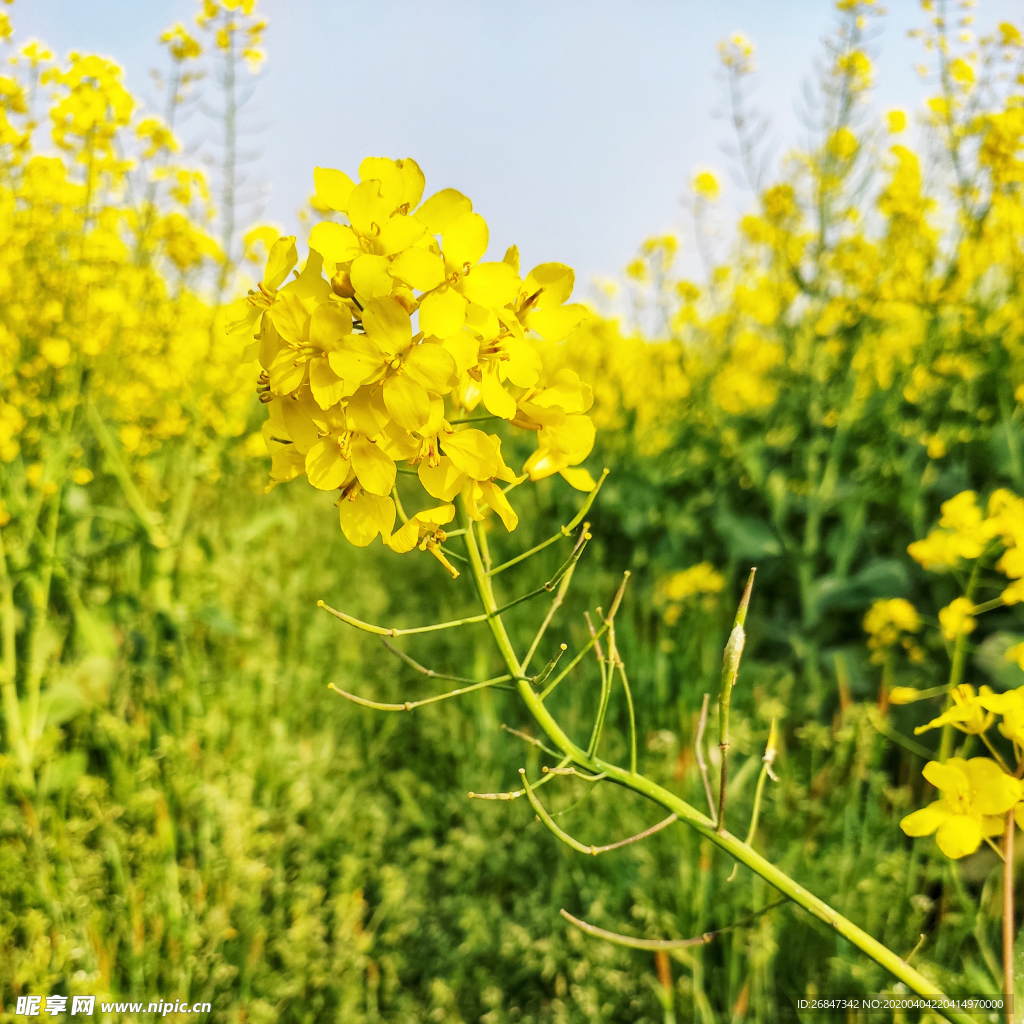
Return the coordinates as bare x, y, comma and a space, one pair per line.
956, 672
914, 980
730, 671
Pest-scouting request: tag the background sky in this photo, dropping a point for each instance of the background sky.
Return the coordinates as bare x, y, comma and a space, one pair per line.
573, 125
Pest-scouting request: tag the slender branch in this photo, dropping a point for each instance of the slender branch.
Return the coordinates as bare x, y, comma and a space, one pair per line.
572, 664
575, 843
532, 740
698, 750
550, 666
565, 531
563, 588
882, 728
766, 772
410, 704
664, 823
606, 690
613, 654
700, 940
369, 627
515, 794
1008, 920
730, 670
574, 772
428, 672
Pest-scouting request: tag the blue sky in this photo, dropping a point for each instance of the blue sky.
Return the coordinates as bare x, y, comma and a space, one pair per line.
574, 125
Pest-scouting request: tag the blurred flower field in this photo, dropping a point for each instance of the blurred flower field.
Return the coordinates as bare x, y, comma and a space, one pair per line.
187, 811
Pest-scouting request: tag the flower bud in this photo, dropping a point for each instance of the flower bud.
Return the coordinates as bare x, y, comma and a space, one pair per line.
341, 284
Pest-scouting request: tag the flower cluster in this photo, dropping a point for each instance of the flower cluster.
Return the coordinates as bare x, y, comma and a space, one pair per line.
886, 623
394, 333
674, 591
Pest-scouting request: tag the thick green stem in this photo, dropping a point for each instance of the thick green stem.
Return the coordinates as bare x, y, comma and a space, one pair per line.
645, 787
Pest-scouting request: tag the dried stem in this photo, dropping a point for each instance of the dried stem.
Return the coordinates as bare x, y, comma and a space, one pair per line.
700, 940
575, 843
698, 751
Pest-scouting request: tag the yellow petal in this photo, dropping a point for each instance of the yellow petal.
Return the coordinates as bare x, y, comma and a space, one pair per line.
286, 372
568, 392
494, 497
524, 363
366, 412
291, 319
490, 284
993, 826
376, 472
399, 233
464, 349
497, 400
397, 443
472, 452
432, 366
443, 481
482, 321
578, 478
407, 401
418, 268
310, 285
333, 188
364, 516
297, 420
441, 209
958, 836
925, 821
335, 242
558, 323
386, 171
438, 516
280, 261
370, 277
329, 324
574, 438
950, 777
368, 209
414, 181
544, 463
464, 240
325, 467
555, 282
442, 313
387, 323
327, 387
994, 792
404, 538
357, 358
511, 257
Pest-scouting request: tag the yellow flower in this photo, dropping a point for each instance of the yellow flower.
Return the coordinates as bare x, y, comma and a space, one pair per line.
1010, 706
896, 121
967, 714
181, 44
886, 619
705, 184
975, 796
956, 619
424, 530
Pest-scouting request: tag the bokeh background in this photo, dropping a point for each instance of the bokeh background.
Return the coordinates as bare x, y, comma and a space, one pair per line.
794, 373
